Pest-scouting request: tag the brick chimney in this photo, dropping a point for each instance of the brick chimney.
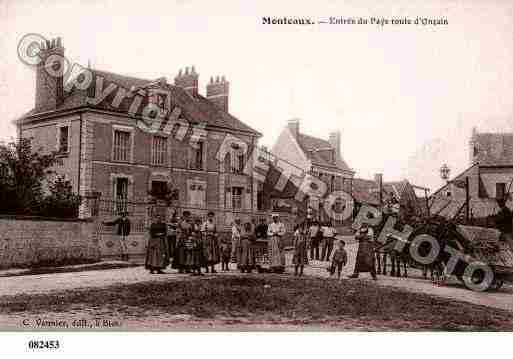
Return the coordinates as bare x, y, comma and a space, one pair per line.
218, 91
188, 80
293, 126
334, 141
49, 75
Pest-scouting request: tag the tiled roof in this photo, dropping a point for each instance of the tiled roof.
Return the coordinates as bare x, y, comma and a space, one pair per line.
310, 146
396, 188
194, 109
479, 207
493, 149
311, 143
365, 191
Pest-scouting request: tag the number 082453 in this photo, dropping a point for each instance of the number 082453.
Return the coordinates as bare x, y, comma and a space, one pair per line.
43, 344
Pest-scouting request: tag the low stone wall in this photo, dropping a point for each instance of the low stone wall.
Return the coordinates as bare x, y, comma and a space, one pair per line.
37, 241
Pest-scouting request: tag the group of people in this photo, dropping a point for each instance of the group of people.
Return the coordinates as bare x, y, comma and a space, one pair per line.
243, 238
321, 235
186, 244
190, 245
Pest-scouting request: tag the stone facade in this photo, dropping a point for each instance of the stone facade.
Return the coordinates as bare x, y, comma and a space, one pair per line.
99, 129
33, 241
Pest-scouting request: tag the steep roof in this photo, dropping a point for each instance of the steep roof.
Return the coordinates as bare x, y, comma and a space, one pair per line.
312, 148
448, 206
493, 149
365, 191
194, 109
479, 207
396, 188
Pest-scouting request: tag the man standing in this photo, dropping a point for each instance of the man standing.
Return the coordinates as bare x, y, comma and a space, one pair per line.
261, 229
504, 220
328, 233
276, 231
236, 232
313, 233
123, 231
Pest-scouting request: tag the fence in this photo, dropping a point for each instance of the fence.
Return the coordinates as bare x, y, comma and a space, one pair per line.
142, 211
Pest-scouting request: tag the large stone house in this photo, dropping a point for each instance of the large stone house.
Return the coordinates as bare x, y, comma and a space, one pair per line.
318, 157
489, 176
101, 123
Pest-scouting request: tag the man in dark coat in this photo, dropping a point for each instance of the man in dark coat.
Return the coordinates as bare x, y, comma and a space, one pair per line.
504, 221
365, 256
261, 229
123, 231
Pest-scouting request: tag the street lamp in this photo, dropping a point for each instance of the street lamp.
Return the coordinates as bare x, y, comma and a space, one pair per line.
445, 172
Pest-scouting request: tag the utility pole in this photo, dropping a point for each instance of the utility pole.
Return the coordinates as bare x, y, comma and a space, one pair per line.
467, 200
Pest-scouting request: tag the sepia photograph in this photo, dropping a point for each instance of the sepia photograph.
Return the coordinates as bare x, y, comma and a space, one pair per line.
195, 166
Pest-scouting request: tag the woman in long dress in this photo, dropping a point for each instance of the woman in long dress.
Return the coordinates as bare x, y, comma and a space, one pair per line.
183, 232
211, 251
246, 260
276, 231
300, 258
236, 230
171, 237
157, 257
193, 251
365, 259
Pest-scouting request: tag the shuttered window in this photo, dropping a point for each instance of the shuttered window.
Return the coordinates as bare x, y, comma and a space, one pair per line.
121, 146
237, 197
159, 150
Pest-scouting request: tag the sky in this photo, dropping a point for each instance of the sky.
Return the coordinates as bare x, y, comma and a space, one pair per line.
404, 97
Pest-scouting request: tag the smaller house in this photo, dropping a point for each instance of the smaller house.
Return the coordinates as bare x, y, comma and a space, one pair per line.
403, 193
489, 177
318, 157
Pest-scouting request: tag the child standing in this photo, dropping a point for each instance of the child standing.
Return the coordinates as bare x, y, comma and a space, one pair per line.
225, 255
300, 258
339, 259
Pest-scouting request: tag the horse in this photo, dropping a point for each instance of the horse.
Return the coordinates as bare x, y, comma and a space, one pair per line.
388, 249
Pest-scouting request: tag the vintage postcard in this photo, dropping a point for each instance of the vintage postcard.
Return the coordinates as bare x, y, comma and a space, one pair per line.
256, 166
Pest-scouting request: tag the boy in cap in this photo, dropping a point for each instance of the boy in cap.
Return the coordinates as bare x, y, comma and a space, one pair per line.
339, 259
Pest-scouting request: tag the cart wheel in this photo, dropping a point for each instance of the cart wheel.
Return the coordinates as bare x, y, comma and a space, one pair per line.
496, 284
477, 278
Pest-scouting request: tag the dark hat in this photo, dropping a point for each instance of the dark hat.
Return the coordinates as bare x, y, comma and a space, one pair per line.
186, 213
210, 214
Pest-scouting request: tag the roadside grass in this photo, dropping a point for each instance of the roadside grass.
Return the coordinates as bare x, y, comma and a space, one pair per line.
255, 299
70, 269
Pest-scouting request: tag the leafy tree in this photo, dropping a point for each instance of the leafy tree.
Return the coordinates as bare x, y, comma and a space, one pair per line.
22, 172
61, 202
165, 193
